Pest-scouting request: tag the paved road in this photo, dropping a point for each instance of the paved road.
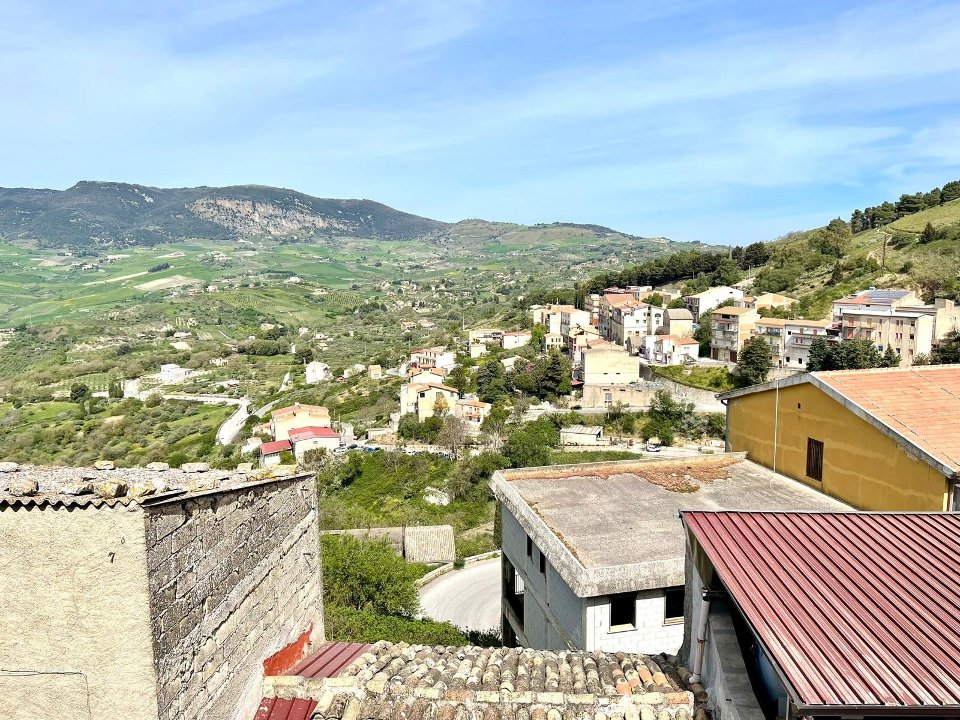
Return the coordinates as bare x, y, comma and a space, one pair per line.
468, 598
233, 424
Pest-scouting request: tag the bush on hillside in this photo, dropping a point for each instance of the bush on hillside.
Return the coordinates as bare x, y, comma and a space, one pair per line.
366, 574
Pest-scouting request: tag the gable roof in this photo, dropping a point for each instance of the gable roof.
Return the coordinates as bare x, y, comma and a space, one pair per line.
270, 448
847, 623
731, 310
312, 431
916, 406
297, 407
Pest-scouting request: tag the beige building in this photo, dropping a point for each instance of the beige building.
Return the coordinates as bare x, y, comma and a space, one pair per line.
578, 339
285, 419
571, 318
423, 399
896, 319
605, 363
630, 322
152, 595
472, 412
608, 301
731, 327
767, 301
678, 321
553, 341
550, 316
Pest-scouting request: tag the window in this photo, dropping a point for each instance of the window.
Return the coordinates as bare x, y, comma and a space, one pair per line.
815, 459
673, 604
529, 546
543, 563
623, 612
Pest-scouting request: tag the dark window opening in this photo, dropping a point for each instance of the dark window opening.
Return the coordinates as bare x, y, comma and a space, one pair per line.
529, 547
623, 610
673, 598
815, 459
543, 563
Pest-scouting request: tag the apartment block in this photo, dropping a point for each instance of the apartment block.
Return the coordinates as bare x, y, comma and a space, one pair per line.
731, 327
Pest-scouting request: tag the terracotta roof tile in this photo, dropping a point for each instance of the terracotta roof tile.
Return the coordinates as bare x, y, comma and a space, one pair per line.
473, 683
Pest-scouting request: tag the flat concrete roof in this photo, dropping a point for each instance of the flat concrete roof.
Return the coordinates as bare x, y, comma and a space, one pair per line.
615, 527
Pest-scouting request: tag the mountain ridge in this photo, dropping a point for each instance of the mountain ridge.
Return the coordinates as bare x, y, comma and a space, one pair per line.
94, 214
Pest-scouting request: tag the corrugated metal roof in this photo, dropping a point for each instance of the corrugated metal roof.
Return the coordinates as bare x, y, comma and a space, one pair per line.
856, 609
329, 660
269, 448
282, 709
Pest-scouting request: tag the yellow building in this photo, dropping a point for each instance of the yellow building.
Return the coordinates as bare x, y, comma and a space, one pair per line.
882, 439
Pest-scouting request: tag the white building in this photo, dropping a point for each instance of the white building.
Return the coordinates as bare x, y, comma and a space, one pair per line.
709, 299
593, 563
671, 350
514, 340
582, 435
171, 374
316, 372
434, 357
313, 438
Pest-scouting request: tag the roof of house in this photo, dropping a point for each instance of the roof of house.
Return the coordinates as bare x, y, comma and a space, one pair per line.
277, 446
853, 609
729, 310
810, 323
29, 486
773, 297
566, 510
420, 682
473, 403
298, 408
711, 291
879, 297
772, 322
582, 429
917, 406
679, 314
620, 299
517, 333
312, 432
420, 387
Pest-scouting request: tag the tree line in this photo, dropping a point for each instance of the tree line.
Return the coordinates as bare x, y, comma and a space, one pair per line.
908, 204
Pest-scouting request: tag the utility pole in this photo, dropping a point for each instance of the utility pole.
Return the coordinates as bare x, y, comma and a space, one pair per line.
883, 255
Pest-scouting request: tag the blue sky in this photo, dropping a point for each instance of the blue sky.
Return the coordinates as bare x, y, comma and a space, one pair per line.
697, 120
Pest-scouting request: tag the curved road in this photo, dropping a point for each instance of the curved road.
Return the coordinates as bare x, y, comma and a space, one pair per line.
468, 598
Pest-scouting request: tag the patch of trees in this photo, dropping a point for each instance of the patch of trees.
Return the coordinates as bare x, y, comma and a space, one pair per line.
694, 266
753, 362
849, 355
908, 204
948, 350
159, 267
545, 378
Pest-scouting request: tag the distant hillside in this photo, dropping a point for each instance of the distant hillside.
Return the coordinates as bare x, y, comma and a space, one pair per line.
108, 214
98, 215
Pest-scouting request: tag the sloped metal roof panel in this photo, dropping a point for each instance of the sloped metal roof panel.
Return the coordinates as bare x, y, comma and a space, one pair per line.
855, 609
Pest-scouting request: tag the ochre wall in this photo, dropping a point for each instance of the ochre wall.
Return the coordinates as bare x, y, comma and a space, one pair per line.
861, 466
75, 637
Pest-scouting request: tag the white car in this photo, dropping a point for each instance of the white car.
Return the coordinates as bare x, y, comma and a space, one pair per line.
653, 448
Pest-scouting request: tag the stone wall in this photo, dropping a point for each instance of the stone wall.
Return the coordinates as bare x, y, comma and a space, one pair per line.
234, 576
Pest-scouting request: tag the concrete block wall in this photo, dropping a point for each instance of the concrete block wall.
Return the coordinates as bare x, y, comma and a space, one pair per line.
650, 636
234, 576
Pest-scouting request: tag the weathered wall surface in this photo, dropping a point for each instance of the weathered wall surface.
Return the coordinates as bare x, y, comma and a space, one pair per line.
650, 635
235, 577
75, 615
861, 466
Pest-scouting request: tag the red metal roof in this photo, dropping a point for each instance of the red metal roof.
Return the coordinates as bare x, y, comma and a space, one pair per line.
280, 709
275, 447
312, 431
329, 661
855, 609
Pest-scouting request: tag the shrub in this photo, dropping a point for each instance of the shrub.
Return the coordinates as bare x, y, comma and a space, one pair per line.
365, 626
367, 574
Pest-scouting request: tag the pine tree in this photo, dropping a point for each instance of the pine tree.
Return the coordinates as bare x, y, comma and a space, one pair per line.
891, 358
929, 233
819, 355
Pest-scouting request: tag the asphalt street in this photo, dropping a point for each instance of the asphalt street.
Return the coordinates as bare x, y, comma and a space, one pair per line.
468, 598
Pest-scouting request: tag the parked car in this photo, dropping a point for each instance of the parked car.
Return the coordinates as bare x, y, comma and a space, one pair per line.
652, 448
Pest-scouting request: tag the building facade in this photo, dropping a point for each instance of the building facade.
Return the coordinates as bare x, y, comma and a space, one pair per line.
874, 439
159, 606
730, 328
709, 299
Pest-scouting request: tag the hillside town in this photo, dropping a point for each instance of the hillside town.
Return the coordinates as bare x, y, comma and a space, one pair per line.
391, 360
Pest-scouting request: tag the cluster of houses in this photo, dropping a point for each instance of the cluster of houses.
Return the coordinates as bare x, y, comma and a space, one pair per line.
298, 429
896, 318
807, 572
425, 394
